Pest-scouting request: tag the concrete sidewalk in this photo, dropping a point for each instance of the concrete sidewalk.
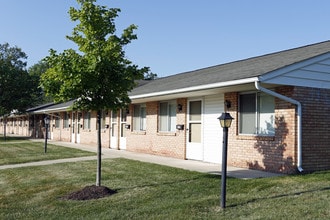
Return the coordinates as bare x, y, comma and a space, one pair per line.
167, 161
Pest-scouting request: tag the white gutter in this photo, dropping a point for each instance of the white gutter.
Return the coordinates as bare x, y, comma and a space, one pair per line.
299, 119
196, 88
48, 111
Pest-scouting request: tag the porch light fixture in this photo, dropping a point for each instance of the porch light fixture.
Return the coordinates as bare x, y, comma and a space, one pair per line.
225, 122
47, 121
179, 107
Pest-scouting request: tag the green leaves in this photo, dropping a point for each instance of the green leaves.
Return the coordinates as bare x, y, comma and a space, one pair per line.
99, 76
18, 90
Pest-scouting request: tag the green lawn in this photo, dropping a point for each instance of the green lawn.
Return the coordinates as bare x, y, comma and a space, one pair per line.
19, 150
149, 191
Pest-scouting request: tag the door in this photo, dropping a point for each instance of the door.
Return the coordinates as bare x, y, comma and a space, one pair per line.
114, 130
123, 118
79, 126
194, 129
73, 128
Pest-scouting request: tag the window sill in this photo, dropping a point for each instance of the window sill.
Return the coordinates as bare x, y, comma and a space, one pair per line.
255, 137
139, 132
166, 133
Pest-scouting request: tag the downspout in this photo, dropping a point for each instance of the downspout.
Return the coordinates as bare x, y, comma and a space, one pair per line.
299, 119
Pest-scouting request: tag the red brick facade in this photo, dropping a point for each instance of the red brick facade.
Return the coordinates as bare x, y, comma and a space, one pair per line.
270, 153
279, 153
151, 141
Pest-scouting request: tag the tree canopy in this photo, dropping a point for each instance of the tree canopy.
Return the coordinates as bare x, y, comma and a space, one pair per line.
99, 75
35, 73
18, 90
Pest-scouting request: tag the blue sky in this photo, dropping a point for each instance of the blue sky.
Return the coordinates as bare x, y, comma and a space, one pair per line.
175, 36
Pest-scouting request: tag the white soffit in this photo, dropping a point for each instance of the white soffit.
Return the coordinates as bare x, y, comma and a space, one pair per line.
314, 72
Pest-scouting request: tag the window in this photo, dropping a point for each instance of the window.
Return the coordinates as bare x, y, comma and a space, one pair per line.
87, 120
139, 119
104, 113
57, 120
257, 114
66, 120
167, 116
103, 120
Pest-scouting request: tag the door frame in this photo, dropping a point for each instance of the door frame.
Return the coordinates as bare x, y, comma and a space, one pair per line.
122, 129
194, 151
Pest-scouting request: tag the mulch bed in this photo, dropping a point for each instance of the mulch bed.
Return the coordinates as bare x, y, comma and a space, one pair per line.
90, 192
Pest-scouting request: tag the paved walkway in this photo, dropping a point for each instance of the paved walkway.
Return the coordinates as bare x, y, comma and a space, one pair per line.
167, 161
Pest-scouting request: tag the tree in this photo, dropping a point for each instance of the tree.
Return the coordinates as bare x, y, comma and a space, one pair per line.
35, 72
99, 76
17, 87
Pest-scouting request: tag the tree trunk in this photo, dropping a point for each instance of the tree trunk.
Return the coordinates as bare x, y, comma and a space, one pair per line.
99, 150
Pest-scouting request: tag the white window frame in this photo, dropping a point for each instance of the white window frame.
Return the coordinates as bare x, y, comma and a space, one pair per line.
140, 117
167, 116
87, 120
66, 120
263, 116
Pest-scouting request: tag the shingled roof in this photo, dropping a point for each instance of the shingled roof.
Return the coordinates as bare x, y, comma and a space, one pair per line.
243, 69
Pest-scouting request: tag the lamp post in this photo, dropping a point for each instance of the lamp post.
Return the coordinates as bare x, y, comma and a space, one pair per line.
225, 122
46, 119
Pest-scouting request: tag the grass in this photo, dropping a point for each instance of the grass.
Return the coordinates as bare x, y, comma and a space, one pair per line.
20, 150
149, 191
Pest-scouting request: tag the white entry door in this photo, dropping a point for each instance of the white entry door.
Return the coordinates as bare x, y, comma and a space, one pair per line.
123, 118
114, 130
73, 128
194, 129
79, 126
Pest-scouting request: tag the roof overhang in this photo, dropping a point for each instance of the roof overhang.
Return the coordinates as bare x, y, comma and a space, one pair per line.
52, 110
314, 72
202, 90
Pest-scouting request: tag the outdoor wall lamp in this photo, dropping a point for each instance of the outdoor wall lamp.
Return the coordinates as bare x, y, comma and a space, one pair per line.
225, 122
179, 107
47, 121
180, 127
227, 104
127, 126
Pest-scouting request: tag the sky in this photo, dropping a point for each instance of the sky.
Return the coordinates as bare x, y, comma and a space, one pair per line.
175, 36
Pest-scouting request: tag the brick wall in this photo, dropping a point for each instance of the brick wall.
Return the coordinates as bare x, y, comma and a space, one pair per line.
87, 136
316, 127
271, 153
279, 153
170, 144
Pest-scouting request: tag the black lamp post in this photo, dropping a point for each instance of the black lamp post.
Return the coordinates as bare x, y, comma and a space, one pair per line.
46, 119
225, 122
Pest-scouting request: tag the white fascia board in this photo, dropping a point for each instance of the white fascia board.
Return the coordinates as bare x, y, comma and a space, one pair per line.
61, 109
197, 88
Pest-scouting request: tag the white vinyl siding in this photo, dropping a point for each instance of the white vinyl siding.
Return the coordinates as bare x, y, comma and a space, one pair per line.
212, 130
